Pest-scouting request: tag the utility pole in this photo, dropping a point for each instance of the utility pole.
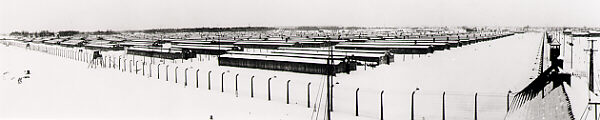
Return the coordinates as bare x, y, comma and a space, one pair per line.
571, 52
591, 74
329, 79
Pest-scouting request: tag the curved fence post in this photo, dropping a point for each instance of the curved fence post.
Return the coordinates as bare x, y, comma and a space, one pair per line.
167, 73
158, 71
120, 64
475, 106
508, 101
136, 68
108, 61
356, 102
222, 86
288, 92
105, 62
444, 105
308, 95
176, 67
236, 84
197, 70
209, 79
412, 104
269, 89
130, 66
150, 70
143, 68
185, 82
125, 65
252, 87
381, 103
114, 62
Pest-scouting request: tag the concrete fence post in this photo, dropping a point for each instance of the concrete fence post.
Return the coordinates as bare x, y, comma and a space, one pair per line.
381, 103
124, 65
444, 105
136, 68
475, 106
356, 102
158, 71
236, 84
412, 104
185, 82
508, 101
197, 70
167, 73
288, 92
143, 68
176, 67
269, 89
222, 86
130, 66
209, 79
150, 70
120, 64
252, 87
308, 95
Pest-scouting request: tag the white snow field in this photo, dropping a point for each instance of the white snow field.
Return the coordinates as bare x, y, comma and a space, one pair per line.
61, 88
578, 91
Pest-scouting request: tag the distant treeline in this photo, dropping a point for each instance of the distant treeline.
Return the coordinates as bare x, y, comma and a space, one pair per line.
323, 28
209, 29
107, 32
46, 33
68, 33
43, 33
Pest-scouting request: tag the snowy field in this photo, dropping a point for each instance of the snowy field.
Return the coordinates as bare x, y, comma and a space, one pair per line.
63, 88
577, 62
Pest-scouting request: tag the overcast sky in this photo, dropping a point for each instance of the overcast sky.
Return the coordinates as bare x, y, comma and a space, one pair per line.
89, 15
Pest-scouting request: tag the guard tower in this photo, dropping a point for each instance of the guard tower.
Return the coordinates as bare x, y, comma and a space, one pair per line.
555, 53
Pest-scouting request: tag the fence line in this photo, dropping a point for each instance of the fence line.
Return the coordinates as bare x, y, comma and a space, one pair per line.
119, 63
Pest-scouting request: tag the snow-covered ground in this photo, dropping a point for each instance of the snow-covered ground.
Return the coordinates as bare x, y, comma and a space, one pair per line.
63, 88
578, 91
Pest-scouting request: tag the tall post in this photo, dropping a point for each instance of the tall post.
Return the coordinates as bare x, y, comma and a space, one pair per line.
130, 62
412, 104
150, 70
197, 70
329, 79
571, 53
381, 103
308, 95
136, 70
591, 71
236, 84
185, 82
167, 71
288, 92
143, 68
252, 87
356, 102
209, 79
176, 73
158, 71
475, 105
124, 65
444, 105
222, 86
508, 101
269, 89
